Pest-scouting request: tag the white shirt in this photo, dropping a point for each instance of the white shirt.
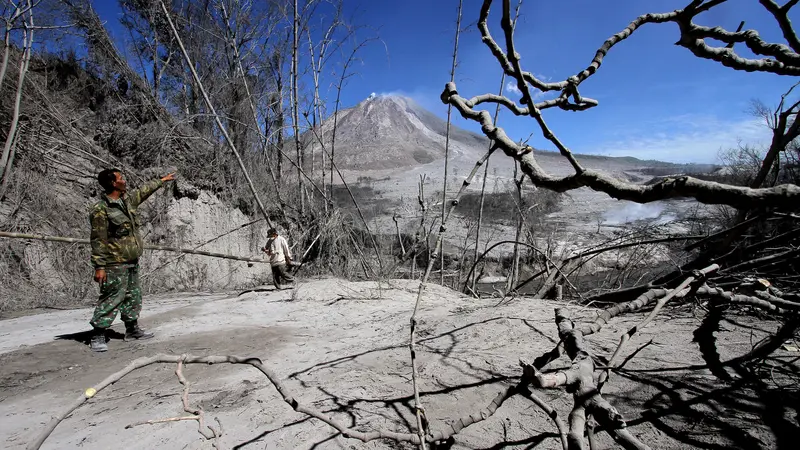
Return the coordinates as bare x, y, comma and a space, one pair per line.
278, 251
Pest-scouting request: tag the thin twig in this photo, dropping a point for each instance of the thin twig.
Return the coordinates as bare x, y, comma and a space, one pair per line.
447, 130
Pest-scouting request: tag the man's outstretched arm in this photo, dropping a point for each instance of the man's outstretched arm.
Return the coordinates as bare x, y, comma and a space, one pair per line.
138, 196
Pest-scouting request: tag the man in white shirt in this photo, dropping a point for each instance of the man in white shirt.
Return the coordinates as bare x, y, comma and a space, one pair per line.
280, 257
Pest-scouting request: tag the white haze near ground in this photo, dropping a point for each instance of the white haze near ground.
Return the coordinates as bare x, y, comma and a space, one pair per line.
631, 212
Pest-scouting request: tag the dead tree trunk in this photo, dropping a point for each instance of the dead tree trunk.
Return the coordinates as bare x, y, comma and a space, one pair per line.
295, 105
447, 133
513, 273
7, 158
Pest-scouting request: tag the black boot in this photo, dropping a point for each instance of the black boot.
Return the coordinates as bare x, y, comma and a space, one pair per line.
132, 331
98, 342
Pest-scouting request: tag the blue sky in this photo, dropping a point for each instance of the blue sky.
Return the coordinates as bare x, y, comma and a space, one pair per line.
657, 100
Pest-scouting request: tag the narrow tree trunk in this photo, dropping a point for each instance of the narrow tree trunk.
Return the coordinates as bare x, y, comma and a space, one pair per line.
7, 175
314, 102
316, 70
166, 248
780, 139
295, 106
6, 51
27, 39
156, 71
281, 129
333, 134
474, 279
423, 211
513, 272
447, 134
399, 236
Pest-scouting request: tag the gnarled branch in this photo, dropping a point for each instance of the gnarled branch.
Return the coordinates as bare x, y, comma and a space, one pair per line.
786, 62
708, 192
580, 379
781, 16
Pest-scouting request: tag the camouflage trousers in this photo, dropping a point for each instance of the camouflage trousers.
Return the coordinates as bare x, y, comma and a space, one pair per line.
120, 292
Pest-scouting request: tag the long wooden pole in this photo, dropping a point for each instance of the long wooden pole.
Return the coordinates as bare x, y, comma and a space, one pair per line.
67, 240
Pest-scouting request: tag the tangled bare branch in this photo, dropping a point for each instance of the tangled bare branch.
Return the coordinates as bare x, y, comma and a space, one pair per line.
190, 359
581, 381
197, 414
784, 62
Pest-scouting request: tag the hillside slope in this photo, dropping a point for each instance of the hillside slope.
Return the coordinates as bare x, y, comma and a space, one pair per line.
76, 124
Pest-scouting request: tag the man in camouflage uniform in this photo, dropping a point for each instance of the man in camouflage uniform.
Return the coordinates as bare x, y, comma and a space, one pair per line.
116, 248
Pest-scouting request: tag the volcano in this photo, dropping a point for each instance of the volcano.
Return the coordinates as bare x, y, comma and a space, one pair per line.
393, 132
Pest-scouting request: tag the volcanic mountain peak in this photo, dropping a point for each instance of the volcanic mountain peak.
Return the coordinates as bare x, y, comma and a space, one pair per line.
394, 132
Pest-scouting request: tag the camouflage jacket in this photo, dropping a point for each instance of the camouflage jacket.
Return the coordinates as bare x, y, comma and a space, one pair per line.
115, 229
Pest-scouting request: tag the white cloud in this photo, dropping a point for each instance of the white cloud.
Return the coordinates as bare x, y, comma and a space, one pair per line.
685, 138
511, 86
417, 94
426, 98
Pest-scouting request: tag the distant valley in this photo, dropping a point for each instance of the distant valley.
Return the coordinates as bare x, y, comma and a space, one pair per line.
385, 144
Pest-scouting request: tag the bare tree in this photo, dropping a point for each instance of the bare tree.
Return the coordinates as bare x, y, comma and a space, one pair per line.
216, 117
9, 147
785, 130
12, 12
295, 102
231, 34
140, 20
319, 55
447, 131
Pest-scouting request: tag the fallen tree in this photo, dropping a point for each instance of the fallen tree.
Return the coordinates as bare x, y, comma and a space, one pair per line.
68, 240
